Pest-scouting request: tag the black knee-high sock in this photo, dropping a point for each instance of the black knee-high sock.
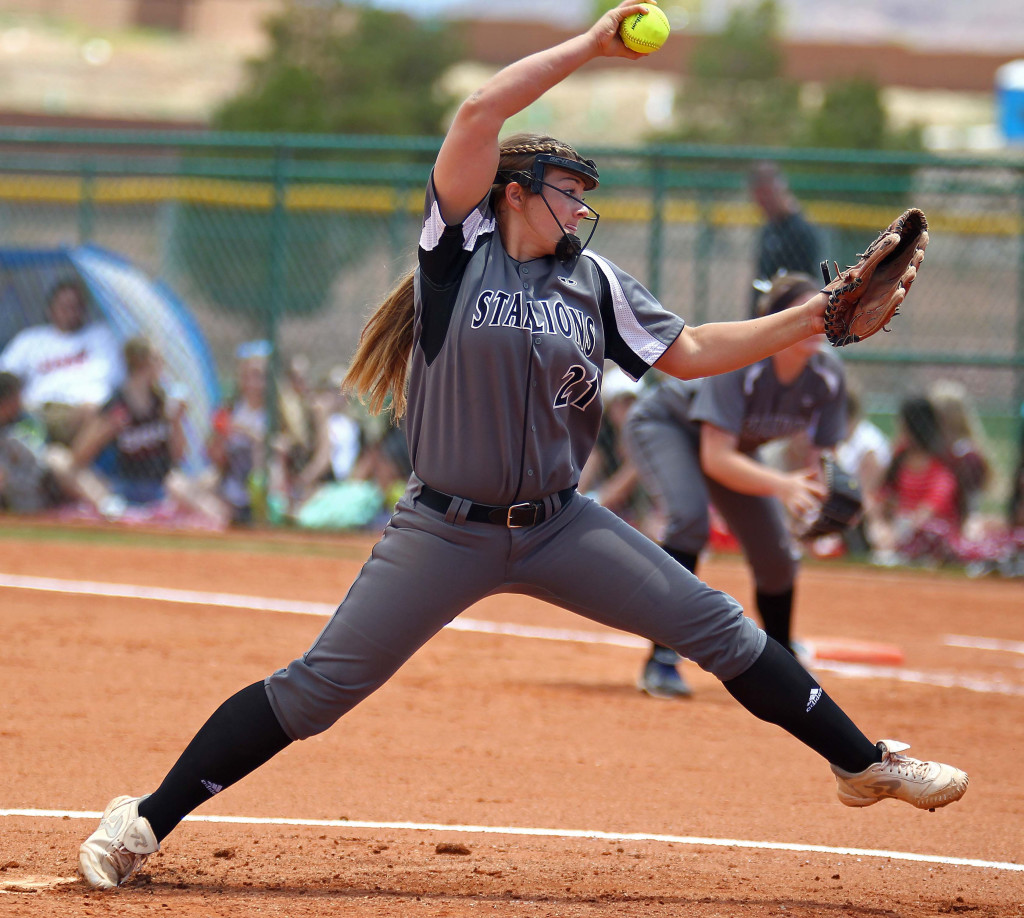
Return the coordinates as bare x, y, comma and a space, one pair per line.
776, 611
242, 734
777, 689
659, 651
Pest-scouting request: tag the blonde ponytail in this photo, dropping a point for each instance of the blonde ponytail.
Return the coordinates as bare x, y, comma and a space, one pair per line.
381, 363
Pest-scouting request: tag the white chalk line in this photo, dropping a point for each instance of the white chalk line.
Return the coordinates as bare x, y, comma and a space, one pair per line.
164, 594
986, 685
983, 643
296, 607
554, 833
982, 684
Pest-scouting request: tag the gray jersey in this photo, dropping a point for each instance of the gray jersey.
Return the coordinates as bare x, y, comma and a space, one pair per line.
663, 436
505, 377
755, 406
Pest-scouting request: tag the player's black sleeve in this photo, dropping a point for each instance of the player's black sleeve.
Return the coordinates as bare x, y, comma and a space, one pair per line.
438, 304
440, 279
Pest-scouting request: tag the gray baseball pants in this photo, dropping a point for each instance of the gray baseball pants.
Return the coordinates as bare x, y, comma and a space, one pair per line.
428, 567
667, 458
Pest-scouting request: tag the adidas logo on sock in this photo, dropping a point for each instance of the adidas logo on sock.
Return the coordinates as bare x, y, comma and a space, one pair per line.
217, 788
811, 701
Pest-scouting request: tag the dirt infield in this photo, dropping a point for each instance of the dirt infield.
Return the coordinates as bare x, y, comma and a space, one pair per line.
497, 773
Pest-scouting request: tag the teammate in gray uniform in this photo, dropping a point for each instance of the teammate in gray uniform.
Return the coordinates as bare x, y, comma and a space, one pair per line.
695, 443
501, 333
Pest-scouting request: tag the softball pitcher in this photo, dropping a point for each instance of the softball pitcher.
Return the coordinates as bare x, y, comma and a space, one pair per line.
695, 444
499, 337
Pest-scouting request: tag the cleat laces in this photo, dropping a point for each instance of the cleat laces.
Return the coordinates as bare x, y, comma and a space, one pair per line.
126, 862
905, 766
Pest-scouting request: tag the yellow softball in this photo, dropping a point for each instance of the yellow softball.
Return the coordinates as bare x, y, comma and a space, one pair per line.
645, 33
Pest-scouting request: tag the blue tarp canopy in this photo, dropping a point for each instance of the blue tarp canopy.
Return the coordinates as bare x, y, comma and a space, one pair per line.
132, 304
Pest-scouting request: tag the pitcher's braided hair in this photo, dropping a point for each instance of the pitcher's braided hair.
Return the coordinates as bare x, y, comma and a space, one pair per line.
515, 159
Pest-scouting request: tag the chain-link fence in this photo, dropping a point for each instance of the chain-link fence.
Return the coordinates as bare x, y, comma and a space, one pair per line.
293, 240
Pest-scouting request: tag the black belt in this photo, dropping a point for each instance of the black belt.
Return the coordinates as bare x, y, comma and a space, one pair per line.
516, 516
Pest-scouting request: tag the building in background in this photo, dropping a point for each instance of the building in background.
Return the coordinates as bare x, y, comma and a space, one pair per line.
175, 60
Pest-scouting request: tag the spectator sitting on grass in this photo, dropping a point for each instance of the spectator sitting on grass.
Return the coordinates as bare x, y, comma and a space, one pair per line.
237, 440
922, 505
257, 483
866, 453
143, 430
28, 483
68, 367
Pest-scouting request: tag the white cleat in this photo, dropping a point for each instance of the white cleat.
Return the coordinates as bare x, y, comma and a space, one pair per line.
119, 847
926, 785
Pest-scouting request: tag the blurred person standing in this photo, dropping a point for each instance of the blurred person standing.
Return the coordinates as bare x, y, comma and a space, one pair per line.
787, 241
385, 462
1015, 505
69, 367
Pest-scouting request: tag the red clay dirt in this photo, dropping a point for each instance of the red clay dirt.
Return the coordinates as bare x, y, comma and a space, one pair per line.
99, 695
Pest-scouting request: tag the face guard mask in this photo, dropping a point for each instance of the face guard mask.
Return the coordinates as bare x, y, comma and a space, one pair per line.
569, 247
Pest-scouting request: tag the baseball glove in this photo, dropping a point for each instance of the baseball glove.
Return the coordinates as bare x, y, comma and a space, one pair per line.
841, 508
864, 298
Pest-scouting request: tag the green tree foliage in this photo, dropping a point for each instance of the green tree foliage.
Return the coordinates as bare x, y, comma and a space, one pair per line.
747, 49
337, 68
852, 117
737, 93
851, 111
329, 67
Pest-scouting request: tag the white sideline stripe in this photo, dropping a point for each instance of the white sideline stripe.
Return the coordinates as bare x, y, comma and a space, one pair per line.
557, 833
985, 685
293, 607
610, 638
163, 594
616, 639
983, 643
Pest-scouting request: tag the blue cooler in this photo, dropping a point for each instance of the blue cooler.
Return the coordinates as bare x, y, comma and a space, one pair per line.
1010, 101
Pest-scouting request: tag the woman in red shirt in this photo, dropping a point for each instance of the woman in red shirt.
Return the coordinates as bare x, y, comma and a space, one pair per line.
922, 504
